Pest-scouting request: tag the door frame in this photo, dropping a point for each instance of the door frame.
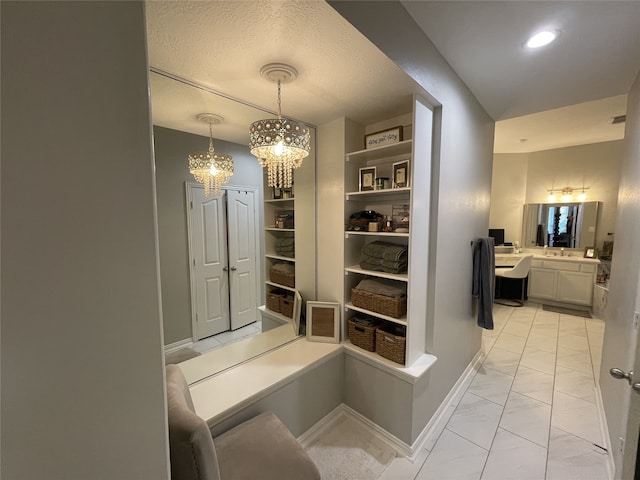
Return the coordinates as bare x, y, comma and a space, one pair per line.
189, 187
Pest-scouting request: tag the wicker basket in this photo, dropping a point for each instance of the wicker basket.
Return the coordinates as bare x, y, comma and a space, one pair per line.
286, 306
362, 335
390, 345
273, 301
390, 306
283, 278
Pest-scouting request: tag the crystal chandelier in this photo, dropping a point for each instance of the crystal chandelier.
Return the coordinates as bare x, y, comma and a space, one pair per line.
279, 144
210, 168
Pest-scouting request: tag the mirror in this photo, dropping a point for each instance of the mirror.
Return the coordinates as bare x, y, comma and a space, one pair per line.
567, 225
175, 104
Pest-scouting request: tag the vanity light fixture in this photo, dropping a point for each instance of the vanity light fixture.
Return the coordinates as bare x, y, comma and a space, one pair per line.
541, 39
567, 193
210, 168
279, 144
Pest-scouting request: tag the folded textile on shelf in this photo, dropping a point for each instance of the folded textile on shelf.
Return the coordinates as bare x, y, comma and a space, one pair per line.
381, 286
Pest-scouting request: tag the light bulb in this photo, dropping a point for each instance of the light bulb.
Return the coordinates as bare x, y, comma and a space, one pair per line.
566, 197
541, 39
552, 197
583, 197
213, 170
279, 148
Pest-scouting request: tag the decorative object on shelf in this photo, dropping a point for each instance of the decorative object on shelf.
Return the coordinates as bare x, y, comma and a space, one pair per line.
382, 183
384, 257
323, 322
362, 332
401, 174
401, 218
367, 179
287, 192
284, 219
391, 341
283, 273
277, 193
210, 168
590, 252
279, 144
384, 137
359, 221
381, 296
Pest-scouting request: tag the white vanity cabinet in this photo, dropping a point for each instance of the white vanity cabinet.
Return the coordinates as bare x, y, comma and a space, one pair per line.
568, 281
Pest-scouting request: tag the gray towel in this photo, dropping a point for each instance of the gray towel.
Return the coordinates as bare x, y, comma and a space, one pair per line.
484, 276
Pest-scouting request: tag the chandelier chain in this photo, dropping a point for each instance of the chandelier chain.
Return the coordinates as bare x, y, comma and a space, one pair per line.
279, 102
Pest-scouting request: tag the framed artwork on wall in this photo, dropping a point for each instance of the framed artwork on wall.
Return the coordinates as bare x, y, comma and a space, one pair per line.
323, 322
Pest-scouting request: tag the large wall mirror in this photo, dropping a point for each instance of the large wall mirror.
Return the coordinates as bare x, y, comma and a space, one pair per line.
565, 225
177, 133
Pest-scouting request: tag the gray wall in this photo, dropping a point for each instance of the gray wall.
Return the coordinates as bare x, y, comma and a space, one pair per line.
462, 202
171, 149
81, 350
624, 291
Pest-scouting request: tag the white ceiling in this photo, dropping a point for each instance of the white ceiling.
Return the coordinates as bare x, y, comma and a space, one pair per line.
223, 44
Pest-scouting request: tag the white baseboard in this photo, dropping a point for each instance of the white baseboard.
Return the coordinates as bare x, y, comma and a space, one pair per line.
604, 430
172, 347
443, 412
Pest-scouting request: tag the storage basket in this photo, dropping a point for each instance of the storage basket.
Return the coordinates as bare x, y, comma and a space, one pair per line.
288, 279
286, 306
362, 334
273, 301
391, 345
391, 306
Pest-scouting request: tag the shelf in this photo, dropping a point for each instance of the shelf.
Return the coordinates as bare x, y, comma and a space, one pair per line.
278, 257
274, 229
398, 321
402, 277
282, 318
278, 200
400, 148
409, 373
375, 234
277, 285
382, 194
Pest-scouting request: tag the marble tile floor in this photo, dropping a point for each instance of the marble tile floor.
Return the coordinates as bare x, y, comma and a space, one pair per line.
216, 341
528, 412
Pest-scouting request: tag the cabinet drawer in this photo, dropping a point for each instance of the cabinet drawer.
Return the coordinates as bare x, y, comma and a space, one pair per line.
570, 267
588, 268
536, 263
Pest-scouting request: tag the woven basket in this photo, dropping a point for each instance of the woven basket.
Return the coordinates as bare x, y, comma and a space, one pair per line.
286, 306
390, 306
273, 301
390, 346
283, 278
362, 336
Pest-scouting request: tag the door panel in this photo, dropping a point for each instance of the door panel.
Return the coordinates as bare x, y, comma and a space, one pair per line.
241, 208
208, 249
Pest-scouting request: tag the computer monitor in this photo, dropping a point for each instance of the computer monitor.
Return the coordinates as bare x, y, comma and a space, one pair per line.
498, 235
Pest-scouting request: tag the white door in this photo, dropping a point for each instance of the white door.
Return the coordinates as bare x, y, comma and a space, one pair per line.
208, 249
241, 208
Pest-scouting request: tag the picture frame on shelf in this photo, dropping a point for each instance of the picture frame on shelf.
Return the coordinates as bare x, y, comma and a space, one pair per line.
590, 252
400, 174
367, 179
277, 193
323, 322
383, 137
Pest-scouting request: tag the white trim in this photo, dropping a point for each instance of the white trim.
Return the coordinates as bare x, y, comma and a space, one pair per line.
604, 431
172, 347
441, 415
341, 411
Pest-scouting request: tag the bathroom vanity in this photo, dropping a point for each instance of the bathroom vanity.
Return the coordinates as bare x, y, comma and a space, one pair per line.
563, 280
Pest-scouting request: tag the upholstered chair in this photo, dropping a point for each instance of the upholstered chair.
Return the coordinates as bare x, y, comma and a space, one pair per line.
519, 271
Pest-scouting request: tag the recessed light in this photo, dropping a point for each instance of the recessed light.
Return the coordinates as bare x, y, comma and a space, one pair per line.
541, 39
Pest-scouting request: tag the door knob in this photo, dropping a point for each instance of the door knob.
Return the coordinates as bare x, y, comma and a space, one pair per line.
621, 375
233, 269
636, 387
226, 269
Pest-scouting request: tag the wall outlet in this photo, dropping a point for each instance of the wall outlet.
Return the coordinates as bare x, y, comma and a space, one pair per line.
636, 320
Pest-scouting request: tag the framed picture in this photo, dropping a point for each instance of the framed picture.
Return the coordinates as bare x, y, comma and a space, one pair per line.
384, 137
277, 193
589, 252
323, 322
401, 174
367, 179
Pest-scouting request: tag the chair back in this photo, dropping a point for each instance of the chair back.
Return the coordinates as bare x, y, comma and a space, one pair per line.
192, 452
521, 269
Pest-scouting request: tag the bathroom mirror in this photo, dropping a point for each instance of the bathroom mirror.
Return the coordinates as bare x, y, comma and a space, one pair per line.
566, 225
175, 103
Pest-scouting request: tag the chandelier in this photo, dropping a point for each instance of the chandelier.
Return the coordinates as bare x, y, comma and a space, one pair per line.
210, 168
279, 144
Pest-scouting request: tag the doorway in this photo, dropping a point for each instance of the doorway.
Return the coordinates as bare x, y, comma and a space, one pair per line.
223, 250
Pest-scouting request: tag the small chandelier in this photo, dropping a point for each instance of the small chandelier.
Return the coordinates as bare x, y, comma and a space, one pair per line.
210, 168
278, 143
